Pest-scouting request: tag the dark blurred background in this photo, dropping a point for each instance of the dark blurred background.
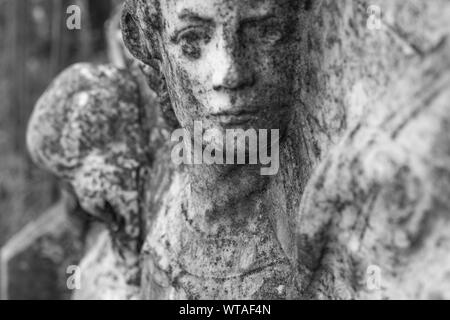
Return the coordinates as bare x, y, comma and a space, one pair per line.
35, 45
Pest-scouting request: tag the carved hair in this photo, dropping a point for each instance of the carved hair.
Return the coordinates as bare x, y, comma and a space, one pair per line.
149, 13
135, 35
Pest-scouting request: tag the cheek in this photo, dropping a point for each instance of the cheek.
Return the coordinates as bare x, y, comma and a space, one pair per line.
186, 86
276, 75
272, 84
275, 65
194, 81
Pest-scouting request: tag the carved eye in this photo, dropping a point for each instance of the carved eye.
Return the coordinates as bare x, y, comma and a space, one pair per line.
191, 40
268, 31
271, 32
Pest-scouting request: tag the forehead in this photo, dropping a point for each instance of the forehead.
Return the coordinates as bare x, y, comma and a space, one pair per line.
216, 9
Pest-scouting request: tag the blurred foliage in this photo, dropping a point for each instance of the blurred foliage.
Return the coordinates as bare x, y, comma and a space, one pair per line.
35, 46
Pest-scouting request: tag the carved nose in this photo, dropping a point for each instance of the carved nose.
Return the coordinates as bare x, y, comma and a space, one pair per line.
232, 78
230, 73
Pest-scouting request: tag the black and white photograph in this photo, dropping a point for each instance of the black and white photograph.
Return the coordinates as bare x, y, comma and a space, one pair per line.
225, 151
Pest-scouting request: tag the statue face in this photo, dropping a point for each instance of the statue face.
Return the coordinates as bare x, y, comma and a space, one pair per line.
229, 63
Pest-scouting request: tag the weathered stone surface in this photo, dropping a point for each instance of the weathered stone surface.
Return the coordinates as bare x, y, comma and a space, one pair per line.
363, 154
382, 194
86, 130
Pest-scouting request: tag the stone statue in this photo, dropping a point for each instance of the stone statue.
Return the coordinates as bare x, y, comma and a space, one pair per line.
344, 200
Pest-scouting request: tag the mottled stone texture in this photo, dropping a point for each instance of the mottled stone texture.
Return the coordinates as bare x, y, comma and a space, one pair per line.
86, 129
380, 196
364, 167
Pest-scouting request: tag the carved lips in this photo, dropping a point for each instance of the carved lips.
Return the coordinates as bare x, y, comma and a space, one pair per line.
237, 117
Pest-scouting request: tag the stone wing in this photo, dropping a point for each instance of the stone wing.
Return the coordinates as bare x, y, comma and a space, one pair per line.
86, 130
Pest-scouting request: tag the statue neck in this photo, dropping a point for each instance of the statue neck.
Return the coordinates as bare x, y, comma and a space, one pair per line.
222, 196
228, 199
